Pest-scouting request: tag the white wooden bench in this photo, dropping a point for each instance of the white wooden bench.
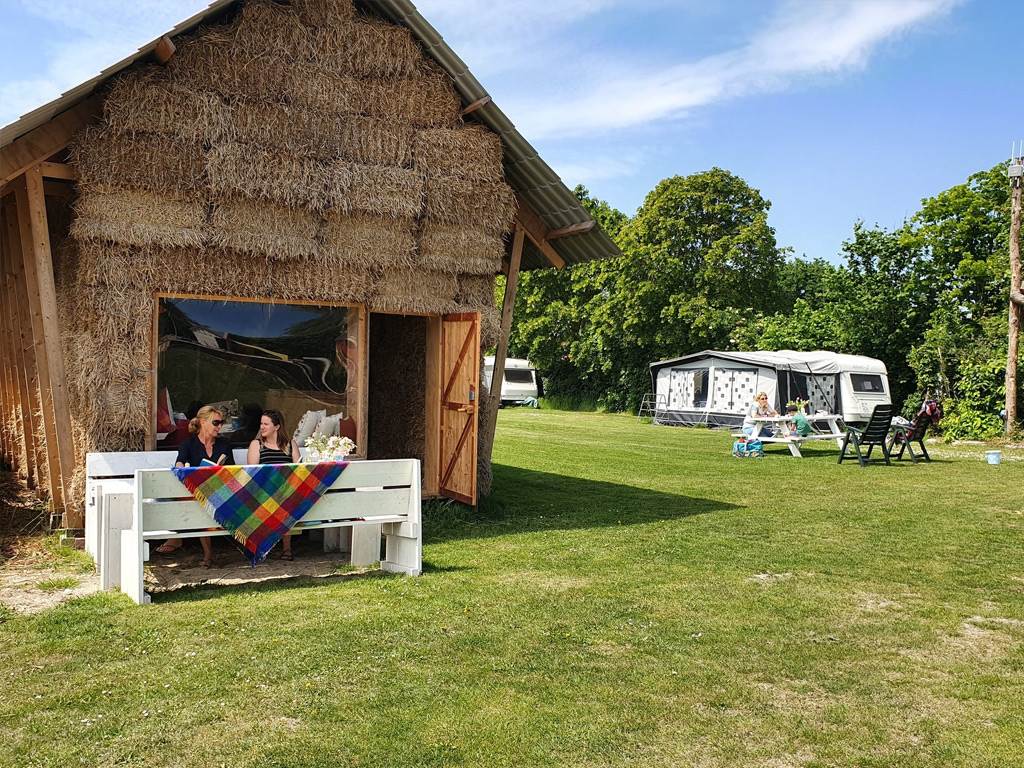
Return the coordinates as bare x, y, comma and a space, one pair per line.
370, 499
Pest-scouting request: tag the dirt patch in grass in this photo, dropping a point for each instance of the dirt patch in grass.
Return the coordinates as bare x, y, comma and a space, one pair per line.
36, 571
869, 602
768, 579
31, 590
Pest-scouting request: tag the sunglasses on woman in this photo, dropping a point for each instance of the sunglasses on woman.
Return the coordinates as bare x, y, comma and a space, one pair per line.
217, 422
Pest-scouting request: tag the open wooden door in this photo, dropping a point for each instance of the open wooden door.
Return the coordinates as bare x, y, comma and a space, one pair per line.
460, 380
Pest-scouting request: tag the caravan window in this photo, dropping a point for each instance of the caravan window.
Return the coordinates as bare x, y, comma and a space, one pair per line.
248, 356
519, 375
869, 383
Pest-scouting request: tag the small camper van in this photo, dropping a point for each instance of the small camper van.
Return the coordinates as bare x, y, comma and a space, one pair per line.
716, 388
519, 383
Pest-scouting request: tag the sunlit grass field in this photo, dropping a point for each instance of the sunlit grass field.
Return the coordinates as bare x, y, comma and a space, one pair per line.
630, 595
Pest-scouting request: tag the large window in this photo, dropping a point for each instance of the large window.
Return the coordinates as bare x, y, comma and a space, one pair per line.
868, 383
249, 356
519, 375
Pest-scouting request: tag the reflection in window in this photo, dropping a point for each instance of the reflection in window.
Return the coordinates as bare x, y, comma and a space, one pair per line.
519, 375
867, 382
249, 356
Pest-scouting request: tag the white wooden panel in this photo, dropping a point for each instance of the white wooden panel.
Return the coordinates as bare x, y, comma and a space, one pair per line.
402, 555
188, 515
358, 474
365, 545
124, 463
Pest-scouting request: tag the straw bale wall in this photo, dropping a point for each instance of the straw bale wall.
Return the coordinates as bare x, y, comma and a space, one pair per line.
296, 151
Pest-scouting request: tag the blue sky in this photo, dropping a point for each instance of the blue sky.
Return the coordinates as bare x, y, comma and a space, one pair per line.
837, 110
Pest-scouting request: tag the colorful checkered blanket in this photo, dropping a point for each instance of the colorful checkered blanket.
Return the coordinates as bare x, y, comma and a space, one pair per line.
259, 504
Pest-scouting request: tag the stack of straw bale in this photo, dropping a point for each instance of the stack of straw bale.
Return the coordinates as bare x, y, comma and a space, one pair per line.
313, 151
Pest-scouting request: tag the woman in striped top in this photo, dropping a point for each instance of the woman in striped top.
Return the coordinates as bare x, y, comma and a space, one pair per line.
272, 446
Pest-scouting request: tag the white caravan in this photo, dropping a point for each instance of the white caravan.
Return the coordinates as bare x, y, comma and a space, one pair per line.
519, 383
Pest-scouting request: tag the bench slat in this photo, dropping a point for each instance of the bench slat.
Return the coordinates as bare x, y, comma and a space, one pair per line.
188, 515
358, 474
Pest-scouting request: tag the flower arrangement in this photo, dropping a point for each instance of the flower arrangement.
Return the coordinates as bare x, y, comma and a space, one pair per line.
800, 406
320, 447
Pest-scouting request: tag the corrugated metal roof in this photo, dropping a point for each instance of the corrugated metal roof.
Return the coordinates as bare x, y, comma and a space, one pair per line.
534, 180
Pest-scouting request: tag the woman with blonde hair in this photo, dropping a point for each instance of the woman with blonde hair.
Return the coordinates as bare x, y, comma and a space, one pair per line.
759, 409
204, 442
273, 446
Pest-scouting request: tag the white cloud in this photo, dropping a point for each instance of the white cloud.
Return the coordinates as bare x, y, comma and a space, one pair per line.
595, 169
496, 37
802, 40
90, 36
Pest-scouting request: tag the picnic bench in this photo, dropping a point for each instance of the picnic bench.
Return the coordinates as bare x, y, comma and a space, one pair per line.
124, 512
793, 442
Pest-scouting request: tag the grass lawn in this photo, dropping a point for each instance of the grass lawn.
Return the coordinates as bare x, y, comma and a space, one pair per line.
631, 596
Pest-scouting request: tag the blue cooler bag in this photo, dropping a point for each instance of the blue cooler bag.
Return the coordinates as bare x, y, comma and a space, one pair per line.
746, 449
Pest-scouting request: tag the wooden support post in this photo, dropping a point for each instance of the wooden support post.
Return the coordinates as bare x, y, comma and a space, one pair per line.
38, 263
8, 419
8, 382
511, 283
1015, 304
28, 380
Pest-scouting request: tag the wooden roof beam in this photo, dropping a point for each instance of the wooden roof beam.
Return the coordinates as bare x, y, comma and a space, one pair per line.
573, 229
164, 50
481, 102
61, 171
38, 144
537, 232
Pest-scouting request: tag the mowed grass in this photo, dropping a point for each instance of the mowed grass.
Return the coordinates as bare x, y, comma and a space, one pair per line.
631, 595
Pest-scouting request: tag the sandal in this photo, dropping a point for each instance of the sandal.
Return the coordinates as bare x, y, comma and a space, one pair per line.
206, 562
287, 556
167, 548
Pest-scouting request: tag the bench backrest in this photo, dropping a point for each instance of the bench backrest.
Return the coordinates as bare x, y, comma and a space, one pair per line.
366, 490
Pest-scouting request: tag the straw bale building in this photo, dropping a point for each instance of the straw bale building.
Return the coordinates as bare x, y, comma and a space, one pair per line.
300, 205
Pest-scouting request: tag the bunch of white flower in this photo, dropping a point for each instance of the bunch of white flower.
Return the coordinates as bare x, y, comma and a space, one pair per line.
334, 448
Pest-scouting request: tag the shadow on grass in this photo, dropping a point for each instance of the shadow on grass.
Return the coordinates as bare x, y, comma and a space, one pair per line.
213, 590
523, 501
210, 591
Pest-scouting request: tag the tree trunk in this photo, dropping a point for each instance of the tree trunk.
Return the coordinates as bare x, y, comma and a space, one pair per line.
1014, 313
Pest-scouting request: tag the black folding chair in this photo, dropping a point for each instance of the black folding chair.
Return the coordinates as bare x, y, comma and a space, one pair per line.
914, 433
875, 433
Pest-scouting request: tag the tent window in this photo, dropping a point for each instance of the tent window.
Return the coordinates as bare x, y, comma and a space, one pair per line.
867, 382
700, 387
799, 387
247, 356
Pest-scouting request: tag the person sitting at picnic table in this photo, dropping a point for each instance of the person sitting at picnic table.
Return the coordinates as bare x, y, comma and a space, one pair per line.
272, 446
798, 425
759, 409
204, 442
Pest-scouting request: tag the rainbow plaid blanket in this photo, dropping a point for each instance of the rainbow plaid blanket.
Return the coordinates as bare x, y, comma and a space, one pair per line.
259, 504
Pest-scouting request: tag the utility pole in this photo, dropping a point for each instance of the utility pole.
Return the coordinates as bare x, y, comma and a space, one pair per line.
1015, 171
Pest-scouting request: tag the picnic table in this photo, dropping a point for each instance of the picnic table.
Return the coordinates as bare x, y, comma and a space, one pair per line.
793, 442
